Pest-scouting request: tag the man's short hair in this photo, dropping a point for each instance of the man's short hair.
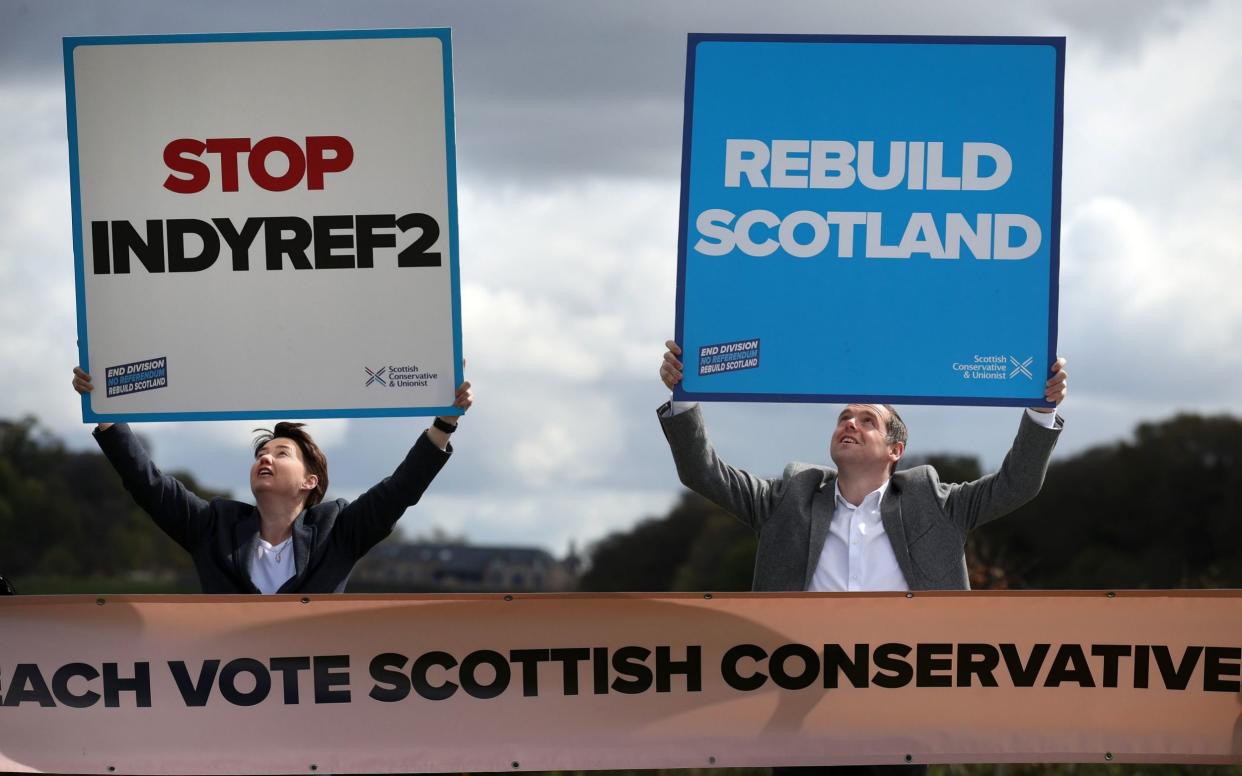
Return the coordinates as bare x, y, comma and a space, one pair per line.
314, 459
897, 432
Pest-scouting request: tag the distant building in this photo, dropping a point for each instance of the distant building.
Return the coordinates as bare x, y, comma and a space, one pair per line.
399, 567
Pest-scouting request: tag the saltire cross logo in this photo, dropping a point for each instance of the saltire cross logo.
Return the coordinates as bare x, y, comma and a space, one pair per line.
1021, 368
376, 376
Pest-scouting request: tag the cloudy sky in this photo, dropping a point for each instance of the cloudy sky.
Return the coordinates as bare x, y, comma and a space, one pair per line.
569, 120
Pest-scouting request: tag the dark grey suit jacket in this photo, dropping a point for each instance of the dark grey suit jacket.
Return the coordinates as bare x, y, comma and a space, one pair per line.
926, 520
222, 535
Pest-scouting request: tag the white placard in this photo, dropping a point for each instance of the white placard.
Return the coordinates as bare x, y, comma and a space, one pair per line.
265, 224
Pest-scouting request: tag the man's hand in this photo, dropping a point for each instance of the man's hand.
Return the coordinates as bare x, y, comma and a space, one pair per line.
83, 385
671, 368
1056, 387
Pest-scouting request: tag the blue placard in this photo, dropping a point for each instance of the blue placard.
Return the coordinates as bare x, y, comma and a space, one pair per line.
870, 218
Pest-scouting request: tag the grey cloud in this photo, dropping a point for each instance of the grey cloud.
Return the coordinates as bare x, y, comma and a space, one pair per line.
1121, 28
557, 88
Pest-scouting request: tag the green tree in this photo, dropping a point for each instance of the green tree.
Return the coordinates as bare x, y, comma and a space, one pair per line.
67, 524
1160, 511
697, 546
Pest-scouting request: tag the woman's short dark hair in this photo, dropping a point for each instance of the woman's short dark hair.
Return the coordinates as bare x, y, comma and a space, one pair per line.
316, 462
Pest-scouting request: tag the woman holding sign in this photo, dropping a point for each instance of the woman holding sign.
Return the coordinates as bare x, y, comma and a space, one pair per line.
290, 540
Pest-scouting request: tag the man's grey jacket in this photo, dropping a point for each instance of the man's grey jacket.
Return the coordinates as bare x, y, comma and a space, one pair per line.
926, 520
222, 535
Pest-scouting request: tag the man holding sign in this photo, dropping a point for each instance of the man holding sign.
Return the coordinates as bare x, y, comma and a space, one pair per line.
788, 209
863, 526
291, 540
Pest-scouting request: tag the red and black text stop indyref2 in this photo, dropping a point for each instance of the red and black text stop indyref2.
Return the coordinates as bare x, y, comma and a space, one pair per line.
227, 164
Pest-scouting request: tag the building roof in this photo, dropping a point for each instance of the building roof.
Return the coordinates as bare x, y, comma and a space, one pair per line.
463, 558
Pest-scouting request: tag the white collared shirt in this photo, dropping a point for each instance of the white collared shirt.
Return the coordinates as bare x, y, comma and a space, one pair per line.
857, 554
272, 565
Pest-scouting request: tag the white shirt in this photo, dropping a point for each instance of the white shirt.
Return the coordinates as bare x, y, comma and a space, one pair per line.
857, 554
272, 565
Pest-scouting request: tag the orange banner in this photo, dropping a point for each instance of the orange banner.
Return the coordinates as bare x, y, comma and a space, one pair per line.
374, 684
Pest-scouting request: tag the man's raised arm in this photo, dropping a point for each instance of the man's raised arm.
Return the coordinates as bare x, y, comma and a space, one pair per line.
747, 497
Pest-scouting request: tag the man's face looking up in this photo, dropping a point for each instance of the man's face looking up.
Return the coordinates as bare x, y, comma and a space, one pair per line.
860, 440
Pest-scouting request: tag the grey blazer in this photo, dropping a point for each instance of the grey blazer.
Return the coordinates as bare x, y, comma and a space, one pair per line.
926, 520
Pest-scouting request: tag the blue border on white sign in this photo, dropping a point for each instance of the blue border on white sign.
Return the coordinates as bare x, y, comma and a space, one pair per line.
444, 34
1054, 236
